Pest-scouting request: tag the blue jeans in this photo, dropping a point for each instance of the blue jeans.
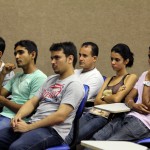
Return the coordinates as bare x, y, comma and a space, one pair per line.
88, 125
38, 139
123, 128
131, 129
110, 128
4, 122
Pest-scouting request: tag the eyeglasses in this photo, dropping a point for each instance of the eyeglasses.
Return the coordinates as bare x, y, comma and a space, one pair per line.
149, 56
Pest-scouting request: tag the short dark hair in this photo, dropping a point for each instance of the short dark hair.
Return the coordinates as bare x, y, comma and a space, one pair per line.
68, 48
95, 49
29, 45
2, 45
125, 52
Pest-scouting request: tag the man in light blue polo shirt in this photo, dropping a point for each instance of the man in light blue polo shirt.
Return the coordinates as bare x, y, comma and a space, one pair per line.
23, 85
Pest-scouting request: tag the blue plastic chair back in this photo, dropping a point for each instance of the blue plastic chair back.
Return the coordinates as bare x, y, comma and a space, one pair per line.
104, 77
60, 147
76, 123
82, 104
145, 142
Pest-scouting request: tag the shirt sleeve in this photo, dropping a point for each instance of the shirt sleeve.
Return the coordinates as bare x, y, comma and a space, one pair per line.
140, 80
94, 86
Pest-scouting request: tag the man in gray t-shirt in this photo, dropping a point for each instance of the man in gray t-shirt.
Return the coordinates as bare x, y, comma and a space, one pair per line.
55, 103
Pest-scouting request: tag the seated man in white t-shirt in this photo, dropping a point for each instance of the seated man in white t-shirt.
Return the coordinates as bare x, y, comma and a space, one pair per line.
89, 75
23, 85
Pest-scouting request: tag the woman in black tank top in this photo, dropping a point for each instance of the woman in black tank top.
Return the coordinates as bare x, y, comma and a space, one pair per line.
122, 82
117, 87
134, 125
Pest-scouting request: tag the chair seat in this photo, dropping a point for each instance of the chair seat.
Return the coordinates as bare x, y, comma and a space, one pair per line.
60, 147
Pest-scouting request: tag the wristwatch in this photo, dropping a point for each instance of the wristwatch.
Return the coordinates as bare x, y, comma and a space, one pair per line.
147, 83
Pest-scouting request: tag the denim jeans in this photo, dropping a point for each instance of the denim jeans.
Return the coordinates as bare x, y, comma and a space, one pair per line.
109, 128
88, 125
132, 129
123, 128
38, 139
4, 122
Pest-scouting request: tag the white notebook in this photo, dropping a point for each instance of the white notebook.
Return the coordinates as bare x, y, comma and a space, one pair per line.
113, 108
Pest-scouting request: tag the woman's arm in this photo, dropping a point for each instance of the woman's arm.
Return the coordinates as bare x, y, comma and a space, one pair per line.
146, 96
146, 92
130, 98
138, 107
129, 82
98, 99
